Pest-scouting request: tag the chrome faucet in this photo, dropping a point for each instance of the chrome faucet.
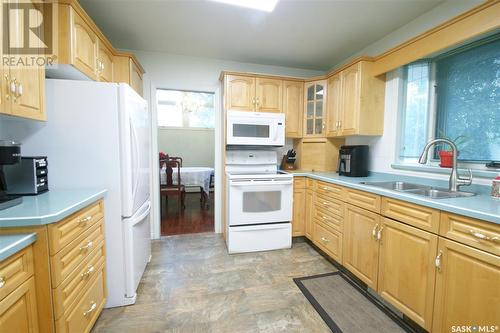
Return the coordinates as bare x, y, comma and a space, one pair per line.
455, 180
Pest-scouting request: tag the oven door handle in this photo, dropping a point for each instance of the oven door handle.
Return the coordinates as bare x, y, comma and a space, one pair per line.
260, 183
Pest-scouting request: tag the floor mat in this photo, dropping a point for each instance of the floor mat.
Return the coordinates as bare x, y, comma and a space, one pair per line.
343, 307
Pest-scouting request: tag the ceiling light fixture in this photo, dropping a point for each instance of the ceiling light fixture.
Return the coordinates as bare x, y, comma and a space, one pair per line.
263, 5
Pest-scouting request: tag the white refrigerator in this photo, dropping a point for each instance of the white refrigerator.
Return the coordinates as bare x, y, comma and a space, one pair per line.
98, 136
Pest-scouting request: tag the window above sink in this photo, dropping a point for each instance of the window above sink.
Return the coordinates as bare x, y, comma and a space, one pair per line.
453, 95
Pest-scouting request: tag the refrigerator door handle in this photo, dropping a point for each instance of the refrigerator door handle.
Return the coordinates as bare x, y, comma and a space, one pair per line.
135, 160
141, 216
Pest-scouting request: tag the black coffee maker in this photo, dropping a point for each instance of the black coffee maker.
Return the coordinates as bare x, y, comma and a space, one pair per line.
10, 153
353, 161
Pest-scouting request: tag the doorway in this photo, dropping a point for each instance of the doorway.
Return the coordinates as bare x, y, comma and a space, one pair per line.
186, 156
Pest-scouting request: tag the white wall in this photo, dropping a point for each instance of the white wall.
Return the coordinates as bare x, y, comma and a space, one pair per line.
195, 146
169, 71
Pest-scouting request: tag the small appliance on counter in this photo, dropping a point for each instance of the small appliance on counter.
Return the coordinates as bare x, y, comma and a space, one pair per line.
353, 161
288, 160
495, 188
10, 154
29, 177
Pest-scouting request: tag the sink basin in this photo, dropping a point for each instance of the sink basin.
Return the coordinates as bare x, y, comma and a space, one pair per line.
435, 193
397, 186
418, 189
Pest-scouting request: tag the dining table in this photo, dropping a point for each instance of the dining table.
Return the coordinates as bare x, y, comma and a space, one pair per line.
191, 177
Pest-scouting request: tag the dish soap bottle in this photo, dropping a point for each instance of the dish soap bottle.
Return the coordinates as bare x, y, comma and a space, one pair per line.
495, 188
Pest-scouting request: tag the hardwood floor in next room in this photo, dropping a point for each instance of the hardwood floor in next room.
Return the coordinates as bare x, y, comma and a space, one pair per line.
193, 285
194, 218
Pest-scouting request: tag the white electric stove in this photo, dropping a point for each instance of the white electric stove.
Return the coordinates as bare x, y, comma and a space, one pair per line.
260, 201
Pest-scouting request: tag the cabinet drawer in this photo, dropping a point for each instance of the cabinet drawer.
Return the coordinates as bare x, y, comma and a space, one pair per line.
85, 313
418, 216
332, 206
363, 199
15, 270
67, 293
64, 232
329, 190
476, 233
66, 260
329, 241
299, 182
333, 221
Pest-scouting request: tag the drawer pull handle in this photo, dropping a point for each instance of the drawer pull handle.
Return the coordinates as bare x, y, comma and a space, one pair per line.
88, 272
481, 236
326, 203
86, 247
93, 306
85, 219
3, 281
325, 217
324, 240
326, 188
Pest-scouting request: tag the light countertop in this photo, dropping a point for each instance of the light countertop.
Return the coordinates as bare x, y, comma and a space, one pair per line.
10, 244
48, 207
482, 206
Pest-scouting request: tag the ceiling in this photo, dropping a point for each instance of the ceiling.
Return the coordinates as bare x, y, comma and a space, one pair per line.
309, 34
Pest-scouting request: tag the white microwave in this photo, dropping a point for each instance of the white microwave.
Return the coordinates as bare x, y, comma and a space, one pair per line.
255, 128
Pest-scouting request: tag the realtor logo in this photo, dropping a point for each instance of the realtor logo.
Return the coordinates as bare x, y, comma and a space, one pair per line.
27, 28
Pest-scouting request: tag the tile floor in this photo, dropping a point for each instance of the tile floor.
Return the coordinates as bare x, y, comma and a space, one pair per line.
193, 285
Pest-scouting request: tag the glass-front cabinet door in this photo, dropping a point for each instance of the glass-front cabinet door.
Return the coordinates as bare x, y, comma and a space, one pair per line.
314, 124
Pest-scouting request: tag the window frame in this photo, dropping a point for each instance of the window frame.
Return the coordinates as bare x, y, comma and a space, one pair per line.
187, 128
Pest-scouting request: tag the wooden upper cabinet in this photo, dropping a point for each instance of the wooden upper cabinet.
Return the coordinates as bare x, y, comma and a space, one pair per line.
126, 69
314, 115
293, 107
240, 93
269, 95
84, 46
406, 276
105, 63
350, 100
361, 248
23, 87
467, 287
334, 109
357, 107
136, 77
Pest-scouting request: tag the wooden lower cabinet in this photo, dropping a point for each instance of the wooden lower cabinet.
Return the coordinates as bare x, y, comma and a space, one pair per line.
361, 248
309, 218
406, 274
18, 311
299, 212
467, 288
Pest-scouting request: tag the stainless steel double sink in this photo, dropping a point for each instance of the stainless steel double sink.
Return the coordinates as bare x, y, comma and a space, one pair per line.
418, 189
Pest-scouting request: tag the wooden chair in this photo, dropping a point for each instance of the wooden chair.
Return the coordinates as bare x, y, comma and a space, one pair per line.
171, 189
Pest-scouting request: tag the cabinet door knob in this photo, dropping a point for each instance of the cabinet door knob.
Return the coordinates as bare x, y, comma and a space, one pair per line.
3, 281
374, 231
379, 233
438, 260
324, 240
